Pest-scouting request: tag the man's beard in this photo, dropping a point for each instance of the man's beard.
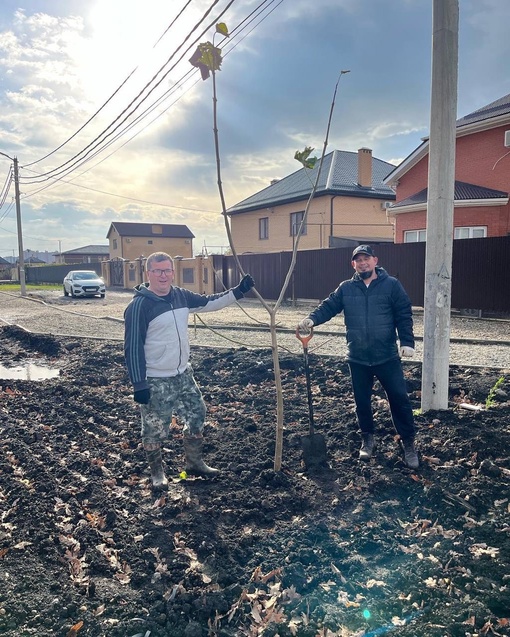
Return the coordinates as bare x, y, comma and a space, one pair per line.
366, 275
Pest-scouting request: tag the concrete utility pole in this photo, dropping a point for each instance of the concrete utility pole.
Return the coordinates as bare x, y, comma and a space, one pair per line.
441, 185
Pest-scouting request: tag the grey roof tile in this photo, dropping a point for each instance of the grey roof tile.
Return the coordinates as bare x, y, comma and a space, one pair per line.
494, 109
90, 249
134, 229
463, 192
339, 176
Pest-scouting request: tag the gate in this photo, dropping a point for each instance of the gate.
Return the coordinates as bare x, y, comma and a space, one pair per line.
117, 272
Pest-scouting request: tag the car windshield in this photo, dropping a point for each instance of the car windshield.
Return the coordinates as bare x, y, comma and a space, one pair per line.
85, 276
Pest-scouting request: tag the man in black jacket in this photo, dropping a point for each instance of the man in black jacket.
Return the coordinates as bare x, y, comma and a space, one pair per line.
376, 308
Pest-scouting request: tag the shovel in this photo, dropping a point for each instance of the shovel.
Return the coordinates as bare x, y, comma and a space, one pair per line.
314, 445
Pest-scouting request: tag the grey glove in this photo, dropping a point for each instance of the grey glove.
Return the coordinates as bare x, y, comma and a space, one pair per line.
406, 351
142, 396
305, 325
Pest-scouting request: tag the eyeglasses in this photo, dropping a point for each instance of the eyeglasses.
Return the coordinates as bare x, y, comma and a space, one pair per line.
159, 272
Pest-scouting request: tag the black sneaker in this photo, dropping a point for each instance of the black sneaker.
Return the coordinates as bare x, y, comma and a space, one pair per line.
367, 447
410, 455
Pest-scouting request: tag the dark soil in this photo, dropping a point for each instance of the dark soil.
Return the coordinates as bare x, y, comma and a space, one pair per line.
87, 549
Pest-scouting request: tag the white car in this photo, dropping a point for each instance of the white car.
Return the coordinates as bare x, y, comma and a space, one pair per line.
84, 283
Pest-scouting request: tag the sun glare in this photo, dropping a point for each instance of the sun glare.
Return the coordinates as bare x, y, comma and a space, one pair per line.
122, 37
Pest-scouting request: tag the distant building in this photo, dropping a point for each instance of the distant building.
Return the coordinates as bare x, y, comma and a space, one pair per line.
86, 254
33, 256
481, 196
33, 260
132, 240
349, 206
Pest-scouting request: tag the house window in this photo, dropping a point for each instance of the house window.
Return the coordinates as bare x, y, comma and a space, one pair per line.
188, 275
413, 236
295, 221
206, 275
470, 232
115, 244
150, 242
264, 228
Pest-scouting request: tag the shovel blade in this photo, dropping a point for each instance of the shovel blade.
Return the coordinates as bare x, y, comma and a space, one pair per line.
314, 451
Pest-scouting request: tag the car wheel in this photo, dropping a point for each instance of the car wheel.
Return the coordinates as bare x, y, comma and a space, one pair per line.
102, 296
72, 292
66, 293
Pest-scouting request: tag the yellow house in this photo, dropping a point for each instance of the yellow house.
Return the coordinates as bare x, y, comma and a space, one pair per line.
131, 241
350, 204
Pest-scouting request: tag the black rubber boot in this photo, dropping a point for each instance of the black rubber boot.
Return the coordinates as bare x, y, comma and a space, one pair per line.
410, 455
194, 463
159, 481
367, 447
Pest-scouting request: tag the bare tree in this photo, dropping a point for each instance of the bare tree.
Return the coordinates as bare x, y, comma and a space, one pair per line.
208, 59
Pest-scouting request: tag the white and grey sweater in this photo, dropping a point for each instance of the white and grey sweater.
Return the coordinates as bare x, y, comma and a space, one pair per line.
156, 342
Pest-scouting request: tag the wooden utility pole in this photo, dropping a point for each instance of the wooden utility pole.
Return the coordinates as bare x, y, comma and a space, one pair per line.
21, 261
441, 186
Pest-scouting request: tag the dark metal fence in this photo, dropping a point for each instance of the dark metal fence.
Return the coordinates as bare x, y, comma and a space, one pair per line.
56, 273
479, 272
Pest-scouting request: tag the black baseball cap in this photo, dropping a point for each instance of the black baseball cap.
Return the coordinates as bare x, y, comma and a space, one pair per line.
363, 249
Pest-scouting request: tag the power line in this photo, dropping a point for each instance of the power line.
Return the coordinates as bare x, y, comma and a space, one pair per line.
112, 194
56, 171
98, 148
5, 188
55, 181
7, 211
172, 23
247, 21
108, 100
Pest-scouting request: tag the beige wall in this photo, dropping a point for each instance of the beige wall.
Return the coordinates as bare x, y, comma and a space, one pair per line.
195, 274
352, 217
361, 217
114, 239
133, 247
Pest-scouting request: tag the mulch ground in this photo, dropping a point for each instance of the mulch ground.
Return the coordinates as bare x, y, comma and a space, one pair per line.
87, 549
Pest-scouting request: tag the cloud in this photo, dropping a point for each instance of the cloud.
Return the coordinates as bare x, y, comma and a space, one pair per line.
61, 61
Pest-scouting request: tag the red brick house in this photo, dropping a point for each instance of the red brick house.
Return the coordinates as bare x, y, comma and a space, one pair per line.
482, 179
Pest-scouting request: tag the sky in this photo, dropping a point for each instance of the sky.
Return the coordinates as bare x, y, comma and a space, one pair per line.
110, 122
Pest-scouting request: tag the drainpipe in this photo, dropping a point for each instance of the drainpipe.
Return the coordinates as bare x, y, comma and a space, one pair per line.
331, 219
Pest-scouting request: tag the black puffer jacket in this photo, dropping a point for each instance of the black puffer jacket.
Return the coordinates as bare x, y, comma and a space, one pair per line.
373, 317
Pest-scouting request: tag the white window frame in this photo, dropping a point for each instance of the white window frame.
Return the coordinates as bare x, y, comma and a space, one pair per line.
471, 231
263, 228
420, 235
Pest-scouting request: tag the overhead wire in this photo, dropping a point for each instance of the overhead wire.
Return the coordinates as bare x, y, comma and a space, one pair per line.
109, 99
5, 188
79, 162
112, 194
7, 211
240, 27
56, 171
172, 23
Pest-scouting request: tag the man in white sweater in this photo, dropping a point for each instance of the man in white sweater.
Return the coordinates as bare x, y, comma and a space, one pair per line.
156, 347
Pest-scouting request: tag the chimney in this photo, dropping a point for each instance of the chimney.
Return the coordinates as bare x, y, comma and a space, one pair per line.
365, 167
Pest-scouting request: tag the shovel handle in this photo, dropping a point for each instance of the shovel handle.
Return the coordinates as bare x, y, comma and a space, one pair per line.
304, 339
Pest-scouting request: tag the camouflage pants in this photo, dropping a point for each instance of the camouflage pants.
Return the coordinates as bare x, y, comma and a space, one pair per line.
175, 396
